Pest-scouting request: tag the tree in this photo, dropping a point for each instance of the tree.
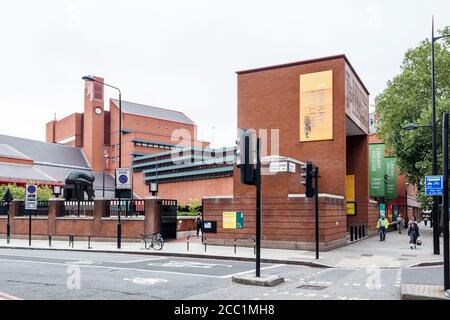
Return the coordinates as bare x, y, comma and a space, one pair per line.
18, 192
407, 98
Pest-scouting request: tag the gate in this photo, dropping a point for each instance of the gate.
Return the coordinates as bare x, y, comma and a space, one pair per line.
168, 220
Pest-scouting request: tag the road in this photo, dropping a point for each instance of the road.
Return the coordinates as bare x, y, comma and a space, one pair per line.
47, 274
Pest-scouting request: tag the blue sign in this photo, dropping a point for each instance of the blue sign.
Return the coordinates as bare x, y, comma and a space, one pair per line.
123, 179
433, 185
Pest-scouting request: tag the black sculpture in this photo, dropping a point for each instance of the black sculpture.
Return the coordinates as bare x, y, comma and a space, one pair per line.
76, 184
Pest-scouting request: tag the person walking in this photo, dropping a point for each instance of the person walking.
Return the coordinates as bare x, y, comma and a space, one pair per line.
199, 223
383, 225
399, 223
413, 233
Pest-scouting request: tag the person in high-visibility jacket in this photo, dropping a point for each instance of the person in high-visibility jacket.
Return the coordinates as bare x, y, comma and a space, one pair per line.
383, 225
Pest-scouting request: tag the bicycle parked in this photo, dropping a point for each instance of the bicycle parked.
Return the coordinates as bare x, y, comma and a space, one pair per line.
154, 240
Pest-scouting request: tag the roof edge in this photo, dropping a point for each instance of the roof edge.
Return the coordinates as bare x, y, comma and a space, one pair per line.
298, 63
115, 101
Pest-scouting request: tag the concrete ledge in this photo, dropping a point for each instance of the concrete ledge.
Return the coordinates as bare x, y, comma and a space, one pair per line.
263, 281
422, 292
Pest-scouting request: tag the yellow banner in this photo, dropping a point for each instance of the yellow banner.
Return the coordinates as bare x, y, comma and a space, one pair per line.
229, 220
316, 106
350, 188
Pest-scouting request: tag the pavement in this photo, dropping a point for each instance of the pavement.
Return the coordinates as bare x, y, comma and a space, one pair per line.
368, 253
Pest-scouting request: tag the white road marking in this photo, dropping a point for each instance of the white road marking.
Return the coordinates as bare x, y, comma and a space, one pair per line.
78, 259
189, 264
253, 270
118, 268
5, 296
142, 260
81, 262
150, 281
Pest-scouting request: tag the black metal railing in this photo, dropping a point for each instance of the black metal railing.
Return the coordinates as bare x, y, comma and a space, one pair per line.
127, 208
42, 209
77, 208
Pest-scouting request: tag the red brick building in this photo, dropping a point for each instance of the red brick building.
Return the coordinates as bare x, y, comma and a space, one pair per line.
276, 97
89, 141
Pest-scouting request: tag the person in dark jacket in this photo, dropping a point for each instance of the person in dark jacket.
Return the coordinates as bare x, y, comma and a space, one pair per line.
413, 233
199, 223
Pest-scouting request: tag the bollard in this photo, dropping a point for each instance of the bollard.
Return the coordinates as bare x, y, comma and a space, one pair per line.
254, 247
364, 231
355, 231
234, 246
351, 233
205, 243
71, 240
49, 239
187, 243
360, 231
89, 242
8, 233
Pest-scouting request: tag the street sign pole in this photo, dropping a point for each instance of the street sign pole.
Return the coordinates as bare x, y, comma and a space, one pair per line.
29, 228
30, 205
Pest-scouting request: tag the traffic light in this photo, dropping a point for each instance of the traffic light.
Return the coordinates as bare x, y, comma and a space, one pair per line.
246, 156
308, 174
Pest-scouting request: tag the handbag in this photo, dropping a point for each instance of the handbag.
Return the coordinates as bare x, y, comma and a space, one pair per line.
419, 242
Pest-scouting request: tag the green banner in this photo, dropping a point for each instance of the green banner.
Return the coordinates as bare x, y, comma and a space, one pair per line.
376, 170
391, 178
239, 220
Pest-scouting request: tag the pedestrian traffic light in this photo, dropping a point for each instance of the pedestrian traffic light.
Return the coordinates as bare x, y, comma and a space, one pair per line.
246, 155
308, 175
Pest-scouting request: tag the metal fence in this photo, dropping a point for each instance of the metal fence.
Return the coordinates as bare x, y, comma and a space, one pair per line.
42, 209
77, 208
127, 208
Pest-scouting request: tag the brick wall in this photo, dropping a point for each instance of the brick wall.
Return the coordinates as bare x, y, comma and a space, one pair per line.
286, 222
96, 226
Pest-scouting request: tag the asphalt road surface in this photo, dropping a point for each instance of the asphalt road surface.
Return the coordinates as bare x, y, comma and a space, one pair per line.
47, 274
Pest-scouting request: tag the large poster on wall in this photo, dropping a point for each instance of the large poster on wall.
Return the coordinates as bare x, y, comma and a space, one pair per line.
376, 170
391, 178
316, 106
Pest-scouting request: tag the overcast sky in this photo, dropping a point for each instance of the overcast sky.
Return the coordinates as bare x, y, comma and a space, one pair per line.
184, 54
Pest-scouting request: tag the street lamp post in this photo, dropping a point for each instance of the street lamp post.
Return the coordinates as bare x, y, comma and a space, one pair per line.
445, 127
435, 215
119, 226
436, 223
